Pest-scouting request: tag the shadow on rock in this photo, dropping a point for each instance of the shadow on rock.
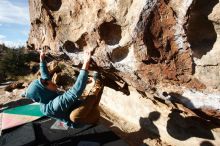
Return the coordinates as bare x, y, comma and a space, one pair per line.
116, 83
206, 143
183, 128
200, 25
177, 98
148, 125
148, 129
111, 80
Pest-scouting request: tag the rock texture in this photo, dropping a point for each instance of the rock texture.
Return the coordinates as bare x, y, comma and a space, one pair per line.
168, 50
140, 120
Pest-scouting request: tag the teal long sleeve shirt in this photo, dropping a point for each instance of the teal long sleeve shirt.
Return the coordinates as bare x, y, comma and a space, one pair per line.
61, 105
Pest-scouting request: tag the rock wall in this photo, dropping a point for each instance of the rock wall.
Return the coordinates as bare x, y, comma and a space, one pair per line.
142, 120
142, 38
168, 50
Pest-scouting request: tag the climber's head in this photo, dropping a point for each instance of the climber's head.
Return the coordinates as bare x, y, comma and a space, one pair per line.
49, 85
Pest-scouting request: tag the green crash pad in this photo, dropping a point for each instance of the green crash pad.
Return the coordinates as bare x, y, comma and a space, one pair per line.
20, 115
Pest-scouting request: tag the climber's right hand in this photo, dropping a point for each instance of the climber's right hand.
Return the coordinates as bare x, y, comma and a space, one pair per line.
87, 58
42, 54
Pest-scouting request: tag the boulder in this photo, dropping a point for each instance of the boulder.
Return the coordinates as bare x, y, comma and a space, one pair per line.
63, 79
14, 85
160, 55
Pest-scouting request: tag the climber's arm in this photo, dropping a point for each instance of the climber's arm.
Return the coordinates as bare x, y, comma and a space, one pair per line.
62, 103
43, 67
81, 81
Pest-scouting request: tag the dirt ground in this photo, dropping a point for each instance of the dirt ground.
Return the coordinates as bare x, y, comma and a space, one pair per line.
9, 100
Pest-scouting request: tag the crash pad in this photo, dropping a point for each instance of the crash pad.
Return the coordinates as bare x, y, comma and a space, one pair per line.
20, 115
41, 132
22, 136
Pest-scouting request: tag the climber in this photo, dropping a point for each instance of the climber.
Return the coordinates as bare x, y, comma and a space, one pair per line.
67, 107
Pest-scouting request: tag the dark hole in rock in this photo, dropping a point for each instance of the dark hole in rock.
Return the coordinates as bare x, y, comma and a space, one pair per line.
53, 5
59, 19
38, 21
165, 94
110, 33
167, 1
200, 32
82, 41
119, 54
47, 48
70, 47
152, 52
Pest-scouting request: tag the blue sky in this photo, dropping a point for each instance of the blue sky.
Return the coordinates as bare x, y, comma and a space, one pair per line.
14, 22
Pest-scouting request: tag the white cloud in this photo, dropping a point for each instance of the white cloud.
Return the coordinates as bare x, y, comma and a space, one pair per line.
12, 44
8, 43
2, 37
10, 13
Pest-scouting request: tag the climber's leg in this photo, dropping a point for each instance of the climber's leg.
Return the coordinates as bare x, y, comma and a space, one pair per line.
91, 118
88, 110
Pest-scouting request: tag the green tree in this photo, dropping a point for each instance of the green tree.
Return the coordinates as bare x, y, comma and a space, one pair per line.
12, 61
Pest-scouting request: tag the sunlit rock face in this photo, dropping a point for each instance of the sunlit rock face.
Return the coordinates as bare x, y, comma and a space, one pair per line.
166, 49
144, 42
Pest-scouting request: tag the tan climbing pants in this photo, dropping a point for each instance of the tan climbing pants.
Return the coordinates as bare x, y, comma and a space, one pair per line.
88, 111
